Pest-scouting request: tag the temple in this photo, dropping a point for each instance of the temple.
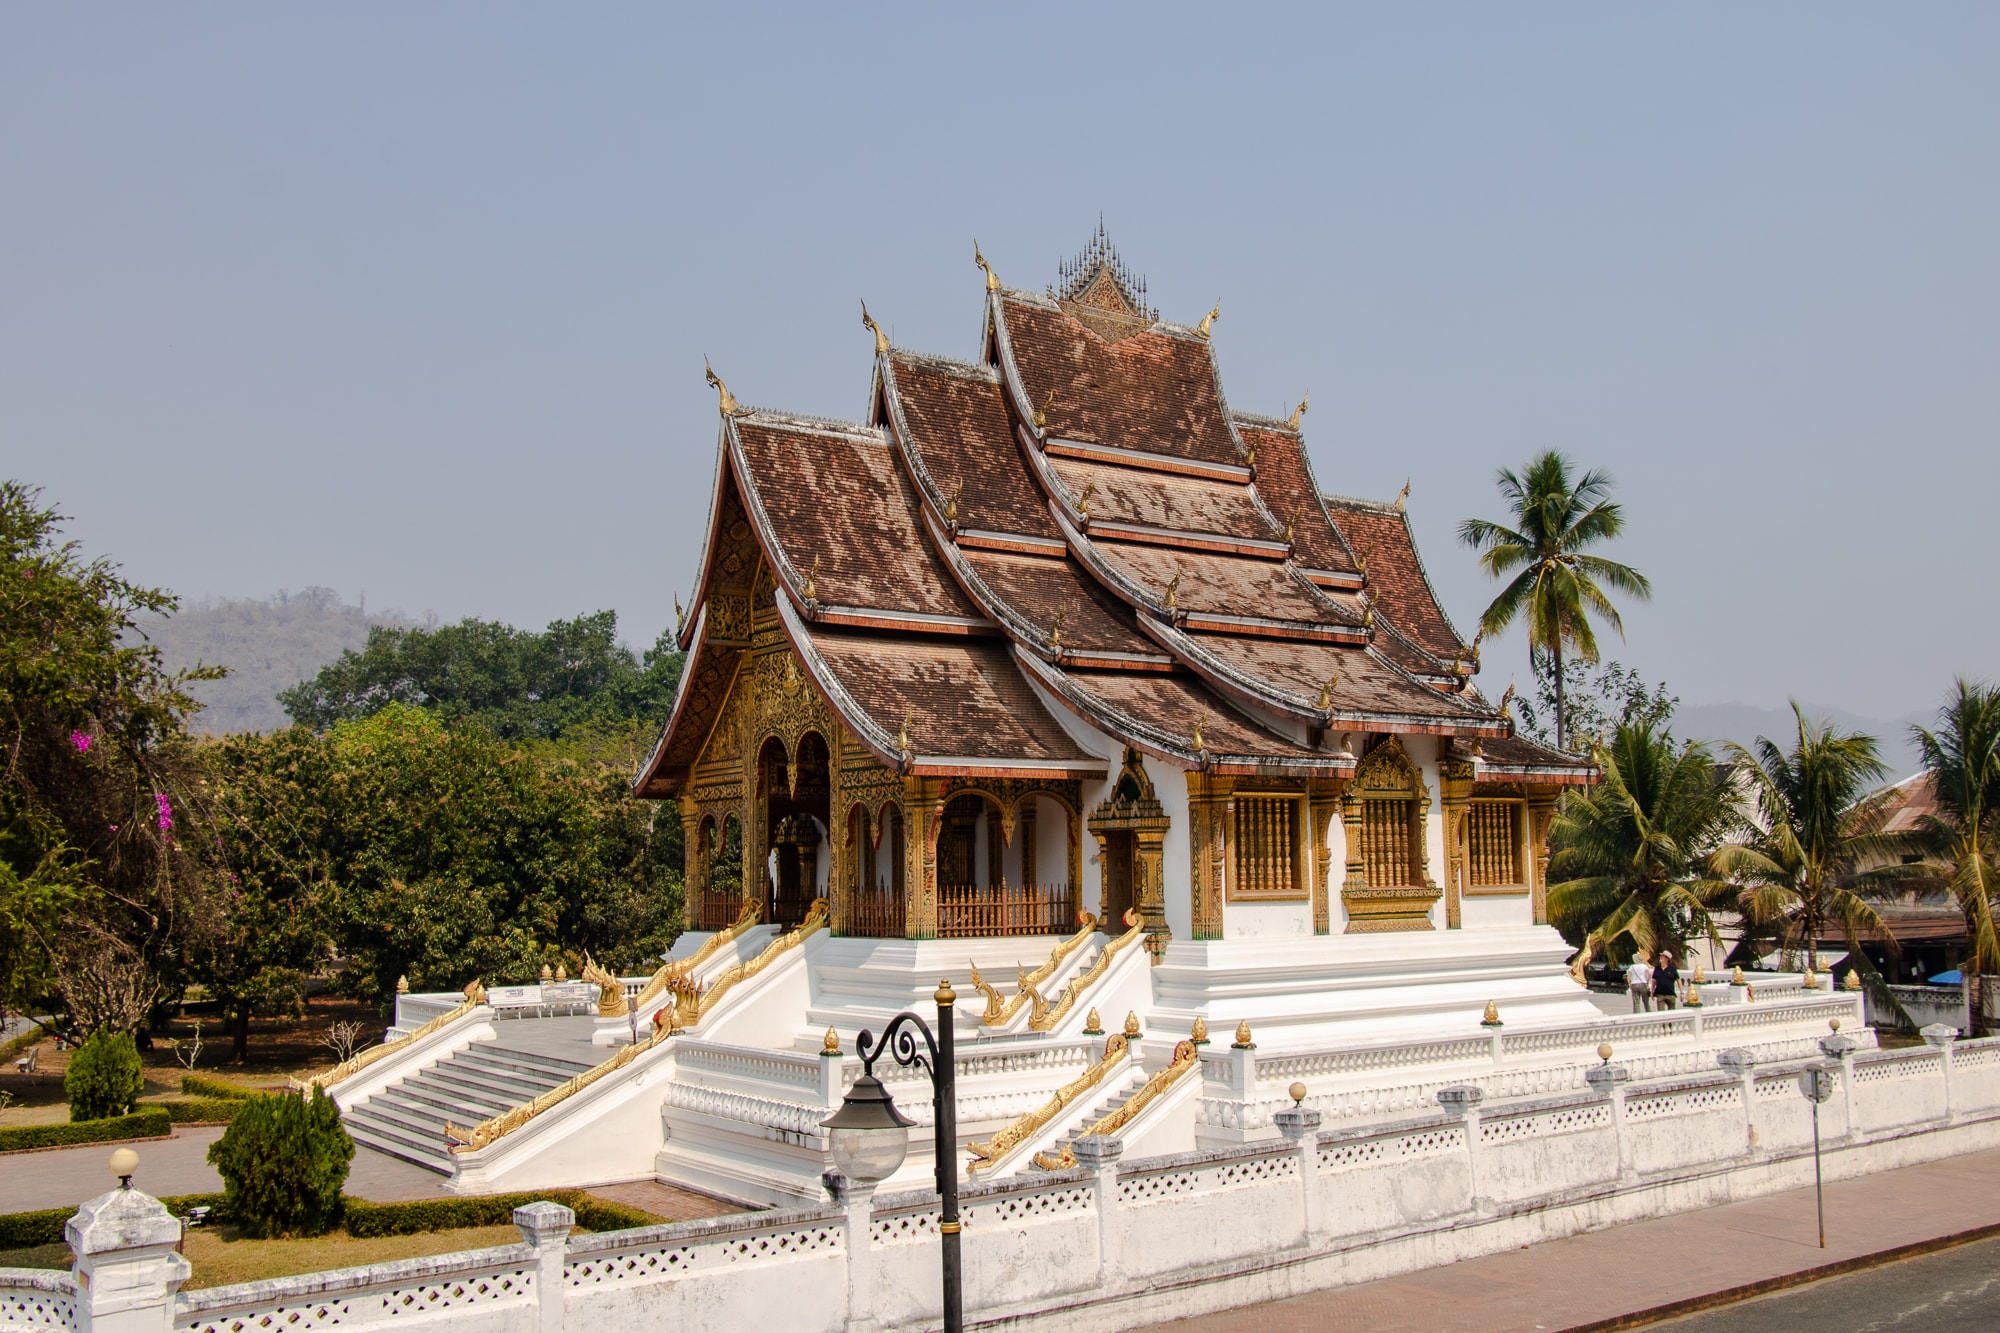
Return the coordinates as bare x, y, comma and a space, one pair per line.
1058, 632
1062, 680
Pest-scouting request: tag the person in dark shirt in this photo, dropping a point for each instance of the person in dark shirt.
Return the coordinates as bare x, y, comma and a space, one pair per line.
1666, 982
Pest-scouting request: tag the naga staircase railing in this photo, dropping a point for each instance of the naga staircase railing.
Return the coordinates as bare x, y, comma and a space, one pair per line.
1187, 1057
475, 995
999, 1012
1047, 1016
665, 1026
686, 967
1034, 1122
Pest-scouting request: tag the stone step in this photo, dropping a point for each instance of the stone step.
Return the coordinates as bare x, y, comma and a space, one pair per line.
443, 1099
413, 1118
493, 1054
475, 1082
429, 1153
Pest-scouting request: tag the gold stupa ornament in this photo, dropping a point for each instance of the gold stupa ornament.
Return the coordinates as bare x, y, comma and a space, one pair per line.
1853, 981
1243, 1042
830, 1044
1131, 1023
1736, 977
1199, 1033
1491, 1018
1093, 1026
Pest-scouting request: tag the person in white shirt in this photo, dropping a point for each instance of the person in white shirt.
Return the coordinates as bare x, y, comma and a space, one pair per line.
1639, 980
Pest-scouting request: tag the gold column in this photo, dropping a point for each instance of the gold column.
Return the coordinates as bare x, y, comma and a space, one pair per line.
1206, 797
1104, 882
1024, 823
1541, 813
1149, 894
1350, 820
923, 813
1323, 802
694, 862
1457, 775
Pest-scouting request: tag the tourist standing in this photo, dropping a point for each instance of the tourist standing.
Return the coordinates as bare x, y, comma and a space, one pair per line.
1666, 982
1639, 980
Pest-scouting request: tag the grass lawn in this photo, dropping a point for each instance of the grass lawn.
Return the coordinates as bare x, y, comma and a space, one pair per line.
219, 1256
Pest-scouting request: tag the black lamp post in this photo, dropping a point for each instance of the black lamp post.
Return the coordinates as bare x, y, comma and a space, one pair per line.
869, 1136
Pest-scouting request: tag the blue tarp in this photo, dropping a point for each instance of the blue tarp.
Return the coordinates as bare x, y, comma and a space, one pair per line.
1951, 978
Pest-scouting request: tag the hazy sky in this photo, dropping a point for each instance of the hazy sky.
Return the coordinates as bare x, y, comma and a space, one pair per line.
413, 299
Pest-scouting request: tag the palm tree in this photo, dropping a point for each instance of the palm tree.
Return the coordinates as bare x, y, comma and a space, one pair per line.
1818, 824
1963, 838
1557, 586
1632, 852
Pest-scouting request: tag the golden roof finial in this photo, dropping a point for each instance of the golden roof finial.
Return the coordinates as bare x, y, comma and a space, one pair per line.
903, 739
812, 581
1055, 631
1403, 496
1198, 741
951, 505
1298, 413
1083, 501
992, 278
1042, 412
830, 1044
1361, 561
726, 400
1367, 610
1208, 320
881, 338
1326, 692
1131, 1023
1173, 590
1291, 527
680, 616
1507, 700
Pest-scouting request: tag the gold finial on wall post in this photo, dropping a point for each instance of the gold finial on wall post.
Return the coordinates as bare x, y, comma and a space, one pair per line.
1208, 320
1131, 1024
1243, 1042
1298, 413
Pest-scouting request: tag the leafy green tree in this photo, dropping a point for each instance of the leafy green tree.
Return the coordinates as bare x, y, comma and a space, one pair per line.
96, 853
1818, 825
1597, 700
104, 1077
1962, 839
283, 1161
1555, 586
1630, 858
518, 684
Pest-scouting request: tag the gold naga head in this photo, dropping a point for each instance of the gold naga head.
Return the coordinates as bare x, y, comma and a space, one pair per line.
1208, 320
1173, 590
1298, 413
725, 401
1326, 693
1403, 497
1198, 742
992, 278
868, 322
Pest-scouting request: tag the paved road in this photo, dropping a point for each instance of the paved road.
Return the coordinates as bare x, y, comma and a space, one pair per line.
1957, 1288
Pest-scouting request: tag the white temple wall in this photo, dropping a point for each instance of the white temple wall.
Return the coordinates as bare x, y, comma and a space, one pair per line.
1176, 859
1423, 752
1481, 912
1052, 841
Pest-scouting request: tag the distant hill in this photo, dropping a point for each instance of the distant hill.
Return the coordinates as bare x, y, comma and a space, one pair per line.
1743, 723
268, 644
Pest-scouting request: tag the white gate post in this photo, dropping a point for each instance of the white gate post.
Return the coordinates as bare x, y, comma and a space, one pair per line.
1742, 1062
1609, 1080
126, 1269
857, 1201
1942, 1036
1101, 1152
1841, 1047
546, 1226
1463, 1101
1301, 1126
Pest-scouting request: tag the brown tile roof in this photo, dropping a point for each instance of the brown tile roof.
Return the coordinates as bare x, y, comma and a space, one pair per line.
1163, 500
1911, 800
1158, 712
840, 496
1154, 391
1223, 584
1035, 588
1285, 481
959, 428
1509, 758
1381, 534
965, 698
1367, 684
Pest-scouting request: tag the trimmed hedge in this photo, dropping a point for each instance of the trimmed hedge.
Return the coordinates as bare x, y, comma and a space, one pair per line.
204, 1110
149, 1123
366, 1219
44, 1226
193, 1085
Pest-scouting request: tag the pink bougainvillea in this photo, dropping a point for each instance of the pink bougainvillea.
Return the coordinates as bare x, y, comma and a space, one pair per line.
166, 811
80, 741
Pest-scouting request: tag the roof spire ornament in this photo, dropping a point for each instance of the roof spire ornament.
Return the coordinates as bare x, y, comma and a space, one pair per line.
1173, 590
951, 505
812, 584
903, 738
1298, 413
1403, 496
1291, 526
1055, 632
1208, 320
1507, 702
680, 617
1042, 412
726, 401
1198, 741
992, 278
1477, 639
868, 322
1326, 693
1083, 501
1367, 610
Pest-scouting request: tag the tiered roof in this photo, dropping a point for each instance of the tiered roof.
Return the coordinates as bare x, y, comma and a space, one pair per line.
1077, 528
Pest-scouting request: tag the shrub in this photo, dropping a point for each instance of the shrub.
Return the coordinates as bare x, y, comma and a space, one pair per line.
44, 1226
407, 1219
151, 1123
104, 1077
193, 1085
205, 1110
283, 1161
